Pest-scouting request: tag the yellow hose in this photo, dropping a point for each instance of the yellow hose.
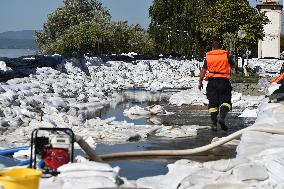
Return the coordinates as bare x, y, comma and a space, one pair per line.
187, 152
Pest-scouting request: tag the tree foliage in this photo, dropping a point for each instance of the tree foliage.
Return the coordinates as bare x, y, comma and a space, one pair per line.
78, 40
189, 26
130, 38
226, 18
186, 27
84, 26
72, 14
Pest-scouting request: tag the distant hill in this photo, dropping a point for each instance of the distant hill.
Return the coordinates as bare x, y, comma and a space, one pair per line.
18, 40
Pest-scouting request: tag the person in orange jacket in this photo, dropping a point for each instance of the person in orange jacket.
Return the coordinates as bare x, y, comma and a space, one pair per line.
278, 79
218, 63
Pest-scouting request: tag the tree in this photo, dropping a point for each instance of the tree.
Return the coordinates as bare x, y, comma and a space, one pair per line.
164, 24
125, 38
72, 14
84, 26
189, 26
227, 17
174, 25
140, 41
80, 39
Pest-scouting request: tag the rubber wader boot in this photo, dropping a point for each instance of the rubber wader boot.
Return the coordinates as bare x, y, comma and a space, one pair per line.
223, 113
214, 116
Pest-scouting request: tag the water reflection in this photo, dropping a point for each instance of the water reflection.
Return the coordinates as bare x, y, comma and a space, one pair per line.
126, 100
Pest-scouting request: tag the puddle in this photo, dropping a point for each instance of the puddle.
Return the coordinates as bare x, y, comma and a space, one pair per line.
117, 112
129, 99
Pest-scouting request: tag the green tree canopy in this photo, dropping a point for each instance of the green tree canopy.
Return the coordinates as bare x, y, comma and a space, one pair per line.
190, 26
78, 40
71, 14
225, 18
84, 26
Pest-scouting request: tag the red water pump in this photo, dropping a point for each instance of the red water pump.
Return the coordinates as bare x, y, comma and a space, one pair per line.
54, 146
54, 158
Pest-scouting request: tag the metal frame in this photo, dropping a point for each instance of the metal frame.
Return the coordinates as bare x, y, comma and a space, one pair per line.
68, 131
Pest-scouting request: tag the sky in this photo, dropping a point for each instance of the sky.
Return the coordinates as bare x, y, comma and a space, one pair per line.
31, 14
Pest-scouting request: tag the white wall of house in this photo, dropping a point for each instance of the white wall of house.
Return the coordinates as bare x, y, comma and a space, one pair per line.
270, 45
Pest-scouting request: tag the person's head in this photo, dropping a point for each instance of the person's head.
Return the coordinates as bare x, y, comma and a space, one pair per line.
216, 45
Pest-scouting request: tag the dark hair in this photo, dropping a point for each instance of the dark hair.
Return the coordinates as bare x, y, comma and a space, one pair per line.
216, 45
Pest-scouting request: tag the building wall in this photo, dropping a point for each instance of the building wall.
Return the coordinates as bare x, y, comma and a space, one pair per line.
270, 46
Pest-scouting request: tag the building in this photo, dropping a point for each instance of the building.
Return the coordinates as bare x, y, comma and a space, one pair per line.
269, 47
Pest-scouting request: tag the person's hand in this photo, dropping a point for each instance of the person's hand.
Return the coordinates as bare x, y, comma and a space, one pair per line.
200, 86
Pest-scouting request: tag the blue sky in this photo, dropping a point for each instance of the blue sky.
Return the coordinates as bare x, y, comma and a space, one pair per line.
31, 14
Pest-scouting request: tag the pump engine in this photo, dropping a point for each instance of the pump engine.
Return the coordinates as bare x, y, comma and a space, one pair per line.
53, 149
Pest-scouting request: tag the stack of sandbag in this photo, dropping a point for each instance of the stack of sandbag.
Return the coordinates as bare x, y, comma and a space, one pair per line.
87, 175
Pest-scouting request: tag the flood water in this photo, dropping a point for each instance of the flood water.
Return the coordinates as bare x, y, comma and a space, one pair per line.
133, 169
15, 53
136, 168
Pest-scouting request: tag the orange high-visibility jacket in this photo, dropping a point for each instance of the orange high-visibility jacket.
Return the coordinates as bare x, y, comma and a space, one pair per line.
279, 78
218, 64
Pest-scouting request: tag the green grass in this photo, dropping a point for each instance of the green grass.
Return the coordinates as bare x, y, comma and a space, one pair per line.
240, 78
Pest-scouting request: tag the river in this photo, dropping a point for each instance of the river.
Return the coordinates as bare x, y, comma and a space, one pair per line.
15, 53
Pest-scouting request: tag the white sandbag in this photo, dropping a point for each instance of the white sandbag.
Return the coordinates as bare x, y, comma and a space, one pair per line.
87, 166
249, 113
250, 171
275, 169
88, 183
225, 165
136, 110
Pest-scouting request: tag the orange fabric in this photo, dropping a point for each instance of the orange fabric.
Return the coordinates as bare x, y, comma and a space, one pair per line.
279, 78
218, 64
